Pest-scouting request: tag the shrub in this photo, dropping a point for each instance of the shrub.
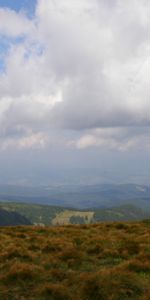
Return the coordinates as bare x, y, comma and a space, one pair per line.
54, 292
121, 226
70, 253
139, 266
58, 274
92, 288
20, 272
95, 249
125, 285
146, 221
113, 285
129, 247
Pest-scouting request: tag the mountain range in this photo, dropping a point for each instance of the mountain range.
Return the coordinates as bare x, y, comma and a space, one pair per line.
80, 196
57, 205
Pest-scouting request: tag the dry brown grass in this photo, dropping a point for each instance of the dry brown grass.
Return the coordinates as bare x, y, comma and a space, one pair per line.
77, 262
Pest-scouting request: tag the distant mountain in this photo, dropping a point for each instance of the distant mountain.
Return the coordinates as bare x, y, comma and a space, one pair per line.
79, 196
12, 218
52, 215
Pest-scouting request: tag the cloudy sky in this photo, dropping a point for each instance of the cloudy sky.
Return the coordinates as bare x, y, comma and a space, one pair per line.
74, 91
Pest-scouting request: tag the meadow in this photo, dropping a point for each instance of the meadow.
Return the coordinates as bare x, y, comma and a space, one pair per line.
76, 262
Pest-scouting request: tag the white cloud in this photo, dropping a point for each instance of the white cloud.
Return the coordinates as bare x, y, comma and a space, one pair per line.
31, 141
14, 24
119, 139
110, 138
82, 65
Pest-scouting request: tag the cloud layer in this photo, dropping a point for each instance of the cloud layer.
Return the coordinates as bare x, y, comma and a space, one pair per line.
81, 66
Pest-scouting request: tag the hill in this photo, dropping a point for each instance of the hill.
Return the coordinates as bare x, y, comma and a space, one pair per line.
10, 218
125, 212
54, 215
108, 261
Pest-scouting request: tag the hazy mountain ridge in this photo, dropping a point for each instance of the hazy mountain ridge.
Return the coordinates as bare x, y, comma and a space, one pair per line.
80, 197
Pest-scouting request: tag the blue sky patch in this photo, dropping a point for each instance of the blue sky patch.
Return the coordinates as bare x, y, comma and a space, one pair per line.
26, 5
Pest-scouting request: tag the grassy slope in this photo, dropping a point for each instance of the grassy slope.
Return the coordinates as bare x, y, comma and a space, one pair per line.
121, 213
108, 261
45, 214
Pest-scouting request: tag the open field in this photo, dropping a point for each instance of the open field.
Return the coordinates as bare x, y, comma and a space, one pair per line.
90, 262
65, 217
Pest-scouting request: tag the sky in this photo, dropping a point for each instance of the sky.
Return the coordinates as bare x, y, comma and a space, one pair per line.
74, 91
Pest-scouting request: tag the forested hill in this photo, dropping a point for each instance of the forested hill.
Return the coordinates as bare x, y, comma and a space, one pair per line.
10, 218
